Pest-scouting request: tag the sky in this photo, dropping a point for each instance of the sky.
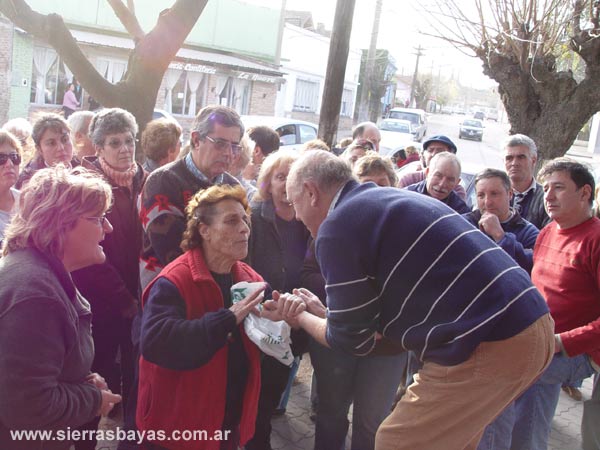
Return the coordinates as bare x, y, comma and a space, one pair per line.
400, 33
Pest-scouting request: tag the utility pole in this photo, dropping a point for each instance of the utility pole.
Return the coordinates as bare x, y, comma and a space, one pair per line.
414, 80
339, 48
367, 86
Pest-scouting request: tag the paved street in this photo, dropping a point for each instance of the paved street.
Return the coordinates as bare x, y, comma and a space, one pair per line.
295, 430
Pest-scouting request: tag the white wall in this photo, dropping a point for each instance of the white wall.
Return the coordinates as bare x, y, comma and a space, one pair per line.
304, 55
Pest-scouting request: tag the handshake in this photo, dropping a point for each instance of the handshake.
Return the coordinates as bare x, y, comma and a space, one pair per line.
290, 306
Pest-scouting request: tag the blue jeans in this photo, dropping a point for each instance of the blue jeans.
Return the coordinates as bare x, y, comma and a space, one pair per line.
370, 382
525, 424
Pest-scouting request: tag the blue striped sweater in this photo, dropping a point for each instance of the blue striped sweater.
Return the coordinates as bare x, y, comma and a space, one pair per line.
407, 266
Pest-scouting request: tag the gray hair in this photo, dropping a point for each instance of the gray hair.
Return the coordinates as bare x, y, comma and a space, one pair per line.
79, 122
440, 157
323, 168
521, 139
20, 127
204, 123
111, 121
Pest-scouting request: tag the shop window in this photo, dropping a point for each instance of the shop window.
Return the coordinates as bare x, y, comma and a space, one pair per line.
347, 106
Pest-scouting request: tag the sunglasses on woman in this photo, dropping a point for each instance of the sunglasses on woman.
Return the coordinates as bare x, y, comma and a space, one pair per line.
14, 157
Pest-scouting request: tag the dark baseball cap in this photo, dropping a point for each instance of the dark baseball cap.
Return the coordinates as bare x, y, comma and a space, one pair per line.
440, 138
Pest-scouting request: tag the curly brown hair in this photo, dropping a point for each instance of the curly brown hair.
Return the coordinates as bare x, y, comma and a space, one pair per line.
201, 209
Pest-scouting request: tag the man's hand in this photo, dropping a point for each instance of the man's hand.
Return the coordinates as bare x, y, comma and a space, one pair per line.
242, 308
313, 303
109, 400
490, 225
284, 307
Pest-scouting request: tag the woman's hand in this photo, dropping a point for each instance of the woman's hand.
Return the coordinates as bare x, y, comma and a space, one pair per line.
109, 400
242, 308
313, 303
97, 380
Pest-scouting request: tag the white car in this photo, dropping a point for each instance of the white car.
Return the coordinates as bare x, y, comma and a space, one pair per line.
293, 133
394, 133
416, 117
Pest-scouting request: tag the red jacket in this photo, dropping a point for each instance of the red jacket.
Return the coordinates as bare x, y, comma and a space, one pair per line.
172, 400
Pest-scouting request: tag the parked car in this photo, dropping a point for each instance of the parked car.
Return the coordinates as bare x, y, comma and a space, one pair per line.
397, 154
480, 115
162, 114
293, 133
395, 132
416, 117
471, 129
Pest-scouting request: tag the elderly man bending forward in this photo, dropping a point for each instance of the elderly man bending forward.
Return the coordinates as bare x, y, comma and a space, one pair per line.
403, 267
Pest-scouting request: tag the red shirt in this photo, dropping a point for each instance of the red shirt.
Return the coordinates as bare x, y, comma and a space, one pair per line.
566, 270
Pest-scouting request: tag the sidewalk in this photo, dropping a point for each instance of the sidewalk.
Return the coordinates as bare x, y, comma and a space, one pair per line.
295, 430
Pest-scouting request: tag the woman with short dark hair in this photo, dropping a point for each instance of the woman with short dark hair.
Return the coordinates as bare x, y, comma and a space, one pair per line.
51, 136
113, 286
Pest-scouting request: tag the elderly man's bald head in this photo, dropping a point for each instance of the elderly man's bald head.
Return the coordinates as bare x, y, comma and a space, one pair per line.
368, 131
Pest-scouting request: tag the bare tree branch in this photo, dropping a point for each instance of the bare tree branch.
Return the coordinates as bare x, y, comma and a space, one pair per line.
126, 14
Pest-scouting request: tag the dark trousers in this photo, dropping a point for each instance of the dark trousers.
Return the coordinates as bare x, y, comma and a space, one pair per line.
274, 377
110, 339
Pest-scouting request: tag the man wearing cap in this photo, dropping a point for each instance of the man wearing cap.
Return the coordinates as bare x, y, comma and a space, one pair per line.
442, 175
368, 131
431, 147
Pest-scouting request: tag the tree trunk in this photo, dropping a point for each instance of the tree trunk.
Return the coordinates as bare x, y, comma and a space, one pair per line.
147, 64
548, 106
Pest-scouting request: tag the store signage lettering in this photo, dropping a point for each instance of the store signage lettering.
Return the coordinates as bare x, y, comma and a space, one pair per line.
193, 67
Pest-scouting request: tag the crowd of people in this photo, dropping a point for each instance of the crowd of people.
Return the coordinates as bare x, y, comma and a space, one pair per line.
444, 327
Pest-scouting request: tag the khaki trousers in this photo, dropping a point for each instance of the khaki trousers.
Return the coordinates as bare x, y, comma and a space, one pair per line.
448, 407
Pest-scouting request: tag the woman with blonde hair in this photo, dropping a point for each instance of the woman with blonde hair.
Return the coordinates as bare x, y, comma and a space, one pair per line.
375, 168
46, 348
10, 158
198, 369
277, 249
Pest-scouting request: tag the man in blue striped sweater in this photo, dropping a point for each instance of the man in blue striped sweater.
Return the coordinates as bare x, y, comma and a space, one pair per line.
405, 268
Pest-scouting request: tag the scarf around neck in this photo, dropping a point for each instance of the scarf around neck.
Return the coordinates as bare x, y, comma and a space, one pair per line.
121, 178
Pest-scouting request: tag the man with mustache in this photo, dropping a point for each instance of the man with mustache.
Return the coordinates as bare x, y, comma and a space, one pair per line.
441, 177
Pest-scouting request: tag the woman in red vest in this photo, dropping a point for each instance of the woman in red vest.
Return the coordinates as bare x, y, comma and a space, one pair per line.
199, 373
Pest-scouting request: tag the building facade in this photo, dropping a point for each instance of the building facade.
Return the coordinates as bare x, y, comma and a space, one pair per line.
215, 65
304, 54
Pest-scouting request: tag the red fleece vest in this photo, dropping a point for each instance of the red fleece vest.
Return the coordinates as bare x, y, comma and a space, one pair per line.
172, 400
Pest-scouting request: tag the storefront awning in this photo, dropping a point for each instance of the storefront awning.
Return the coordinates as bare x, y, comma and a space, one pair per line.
195, 58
